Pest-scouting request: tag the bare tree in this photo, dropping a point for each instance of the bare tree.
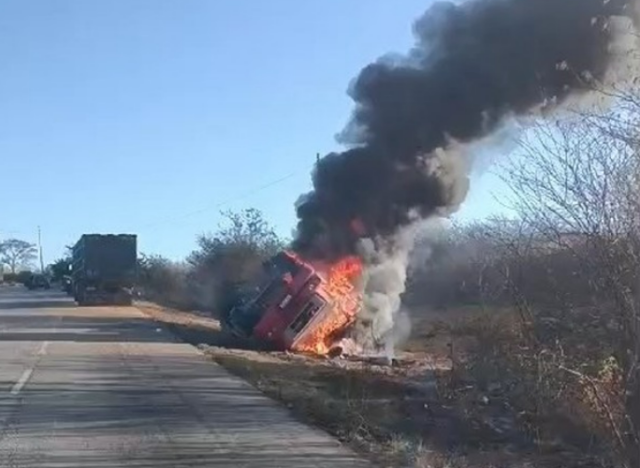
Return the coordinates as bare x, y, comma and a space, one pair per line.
576, 187
17, 253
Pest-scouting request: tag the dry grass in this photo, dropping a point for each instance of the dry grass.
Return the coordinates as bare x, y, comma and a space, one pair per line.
396, 416
417, 413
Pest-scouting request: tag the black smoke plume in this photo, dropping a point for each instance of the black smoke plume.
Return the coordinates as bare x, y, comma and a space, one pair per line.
473, 64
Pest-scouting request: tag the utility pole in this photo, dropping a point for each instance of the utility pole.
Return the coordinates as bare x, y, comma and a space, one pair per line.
40, 250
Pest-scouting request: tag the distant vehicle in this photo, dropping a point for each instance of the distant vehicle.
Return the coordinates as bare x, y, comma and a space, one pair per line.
104, 269
37, 282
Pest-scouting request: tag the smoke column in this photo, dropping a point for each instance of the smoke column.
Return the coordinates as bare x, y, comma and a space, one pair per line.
473, 65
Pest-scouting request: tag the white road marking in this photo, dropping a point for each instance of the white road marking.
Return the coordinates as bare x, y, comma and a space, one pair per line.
26, 375
24, 378
43, 348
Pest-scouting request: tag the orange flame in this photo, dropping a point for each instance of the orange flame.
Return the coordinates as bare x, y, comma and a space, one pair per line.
339, 287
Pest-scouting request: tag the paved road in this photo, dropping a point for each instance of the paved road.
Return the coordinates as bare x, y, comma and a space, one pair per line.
103, 387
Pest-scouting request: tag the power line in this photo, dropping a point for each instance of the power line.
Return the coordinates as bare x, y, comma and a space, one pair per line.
219, 205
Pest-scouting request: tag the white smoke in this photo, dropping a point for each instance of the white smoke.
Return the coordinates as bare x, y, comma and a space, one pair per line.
381, 323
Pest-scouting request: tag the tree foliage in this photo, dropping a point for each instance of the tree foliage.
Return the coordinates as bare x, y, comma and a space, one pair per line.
17, 254
213, 276
229, 258
60, 268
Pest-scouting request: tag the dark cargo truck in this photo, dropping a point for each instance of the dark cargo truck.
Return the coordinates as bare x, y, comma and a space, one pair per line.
104, 269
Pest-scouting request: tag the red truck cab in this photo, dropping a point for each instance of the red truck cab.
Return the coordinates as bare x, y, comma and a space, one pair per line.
286, 304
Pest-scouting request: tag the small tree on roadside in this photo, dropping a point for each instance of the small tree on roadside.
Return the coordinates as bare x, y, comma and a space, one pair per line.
230, 257
17, 253
60, 268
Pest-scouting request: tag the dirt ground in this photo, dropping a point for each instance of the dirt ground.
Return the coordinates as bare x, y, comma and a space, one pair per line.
409, 413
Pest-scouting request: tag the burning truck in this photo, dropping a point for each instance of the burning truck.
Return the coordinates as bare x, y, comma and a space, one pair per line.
474, 67
299, 305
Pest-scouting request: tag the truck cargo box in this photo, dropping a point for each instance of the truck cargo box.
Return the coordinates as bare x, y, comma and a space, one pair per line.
104, 267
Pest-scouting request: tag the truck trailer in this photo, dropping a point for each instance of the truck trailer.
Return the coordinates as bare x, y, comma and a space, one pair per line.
104, 269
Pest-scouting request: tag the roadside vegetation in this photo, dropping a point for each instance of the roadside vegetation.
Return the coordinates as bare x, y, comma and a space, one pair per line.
16, 258
525, 343
210, 278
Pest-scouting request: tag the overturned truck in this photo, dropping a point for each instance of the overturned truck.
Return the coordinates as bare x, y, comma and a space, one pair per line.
298, 305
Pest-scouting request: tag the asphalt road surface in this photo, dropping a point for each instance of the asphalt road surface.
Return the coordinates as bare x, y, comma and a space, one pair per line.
104, 387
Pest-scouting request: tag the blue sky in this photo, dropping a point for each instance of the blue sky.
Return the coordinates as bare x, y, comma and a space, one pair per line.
149, 116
